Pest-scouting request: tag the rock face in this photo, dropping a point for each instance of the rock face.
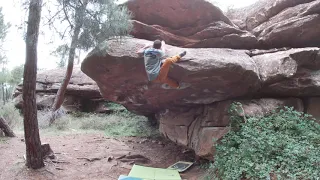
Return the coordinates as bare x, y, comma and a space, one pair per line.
282, 23
199, 24
217, 77
196, 127
82, 93
214, 75
187, 23
274, 61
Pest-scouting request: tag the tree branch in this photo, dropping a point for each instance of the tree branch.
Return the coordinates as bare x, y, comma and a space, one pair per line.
50, 20
66, 14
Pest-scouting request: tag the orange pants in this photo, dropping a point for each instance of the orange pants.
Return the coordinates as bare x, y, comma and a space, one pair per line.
163, 74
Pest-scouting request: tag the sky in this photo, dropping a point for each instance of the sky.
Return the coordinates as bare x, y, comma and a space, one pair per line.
15, 45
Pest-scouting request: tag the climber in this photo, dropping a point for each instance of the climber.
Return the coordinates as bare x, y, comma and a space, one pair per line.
157, 70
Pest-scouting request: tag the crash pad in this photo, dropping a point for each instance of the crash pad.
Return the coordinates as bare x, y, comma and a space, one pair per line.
122, 177
149, 173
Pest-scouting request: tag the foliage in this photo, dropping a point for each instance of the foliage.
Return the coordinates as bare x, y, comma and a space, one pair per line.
89, 22
128, 124
285, 143
101, 20
114, 106
62, 53
11, 115
16, 75
120, 123
3, 140
3, 33
9, 80
5, 74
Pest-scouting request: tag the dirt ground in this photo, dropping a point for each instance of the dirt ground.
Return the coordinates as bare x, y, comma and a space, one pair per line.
92, 156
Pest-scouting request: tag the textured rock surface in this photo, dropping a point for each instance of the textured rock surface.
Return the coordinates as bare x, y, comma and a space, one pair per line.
196, 127
282, 62
281, 23
290, 73
214, 75
187, 23
81, 91
175, 14
195, 115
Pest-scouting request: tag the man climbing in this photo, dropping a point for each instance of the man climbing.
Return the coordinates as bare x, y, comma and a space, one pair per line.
157, 71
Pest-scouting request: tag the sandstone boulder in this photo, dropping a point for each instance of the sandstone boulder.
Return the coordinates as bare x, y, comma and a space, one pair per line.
176, 14
81, 91
195, 115
187, 23
282, 23
293, 72
270, 10
197, 127
214, 75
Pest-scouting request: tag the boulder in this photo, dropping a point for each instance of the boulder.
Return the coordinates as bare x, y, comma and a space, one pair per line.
195, 115
271, 9
175, 14
214, 75
294, 72
81, 91
187, 23
198, 127
281, 23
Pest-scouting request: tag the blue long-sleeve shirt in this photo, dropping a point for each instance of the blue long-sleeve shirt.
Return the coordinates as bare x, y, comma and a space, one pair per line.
152, 62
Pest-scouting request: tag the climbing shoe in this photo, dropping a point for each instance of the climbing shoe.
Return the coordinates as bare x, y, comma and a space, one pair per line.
165, 86
183, 53
183, 85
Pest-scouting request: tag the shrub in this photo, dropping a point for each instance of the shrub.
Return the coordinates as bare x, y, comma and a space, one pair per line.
11, 115
119, 124
285, 143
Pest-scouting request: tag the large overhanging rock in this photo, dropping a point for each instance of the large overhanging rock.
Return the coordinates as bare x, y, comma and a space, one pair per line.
81, 91
214, 75
187, 23
197, 114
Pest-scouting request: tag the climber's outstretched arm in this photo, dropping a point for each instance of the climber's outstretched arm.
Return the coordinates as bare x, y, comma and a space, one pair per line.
163, 49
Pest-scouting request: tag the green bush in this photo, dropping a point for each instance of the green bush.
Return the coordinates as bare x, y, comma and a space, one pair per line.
11, 115
285, 143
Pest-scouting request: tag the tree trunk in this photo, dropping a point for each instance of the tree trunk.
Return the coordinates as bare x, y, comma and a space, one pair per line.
31, 130
7, 95
5, 128
79, 53
74, 42
3, 94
